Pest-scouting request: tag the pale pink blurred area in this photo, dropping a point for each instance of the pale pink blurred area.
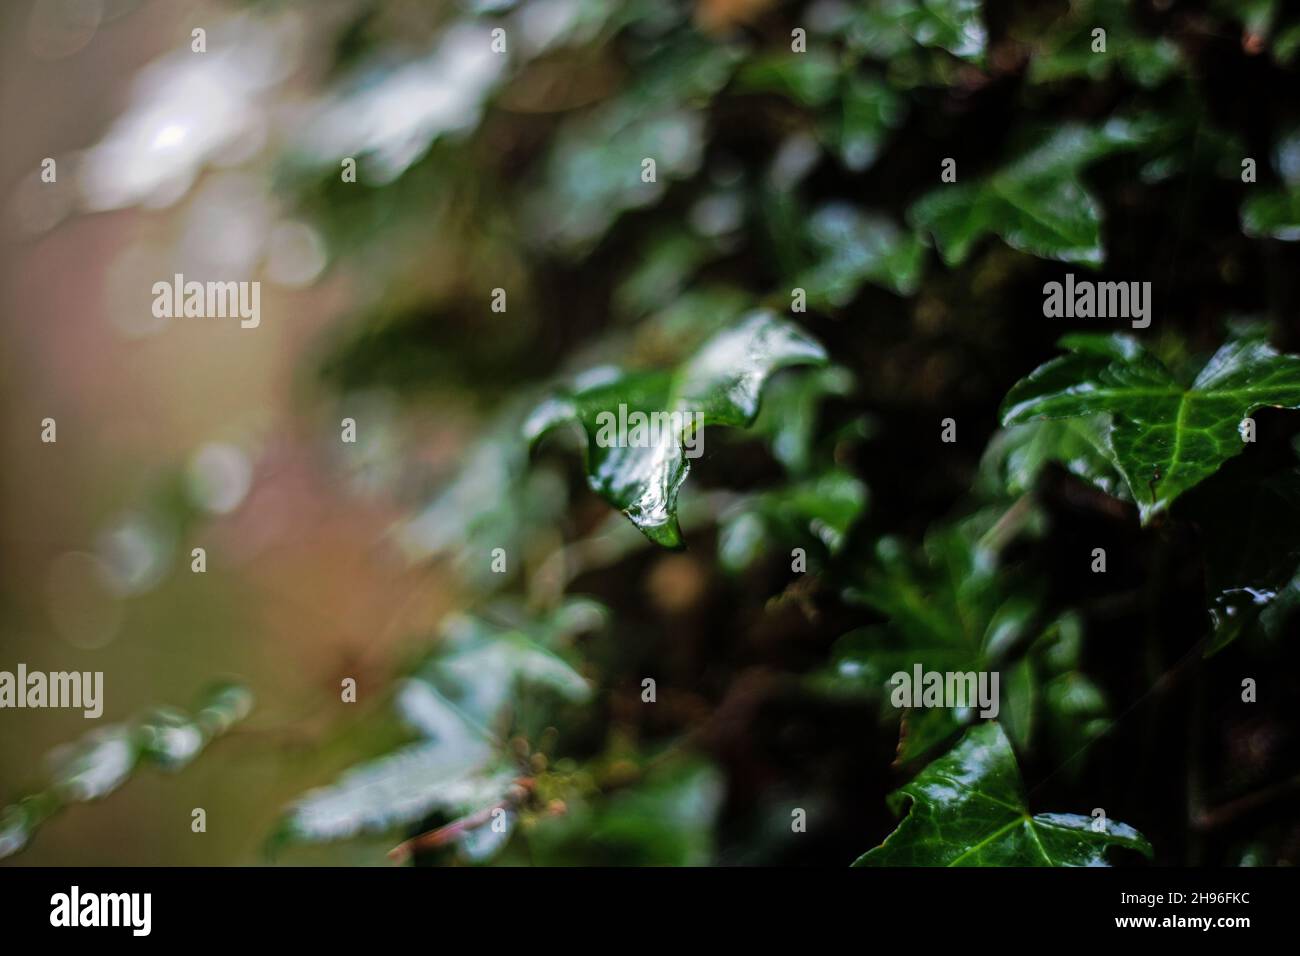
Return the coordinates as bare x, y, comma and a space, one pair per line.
303, 584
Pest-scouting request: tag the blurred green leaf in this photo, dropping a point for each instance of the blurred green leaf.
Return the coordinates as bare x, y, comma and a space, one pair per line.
808, 78
814, 512
97, 764
495, 500
400, 788
788, 417
665, 820
1037, 204
851, 247
456, 699
1063, 49
594, 171
1272, 214
885, 29
868, 112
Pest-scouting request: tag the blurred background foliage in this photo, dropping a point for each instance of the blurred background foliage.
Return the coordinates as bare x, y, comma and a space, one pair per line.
516, 698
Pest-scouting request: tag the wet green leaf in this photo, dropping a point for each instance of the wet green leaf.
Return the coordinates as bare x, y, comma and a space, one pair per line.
1037, 204
478, 665
641, 471
1165, 437
951, 609
968, 808
956, 609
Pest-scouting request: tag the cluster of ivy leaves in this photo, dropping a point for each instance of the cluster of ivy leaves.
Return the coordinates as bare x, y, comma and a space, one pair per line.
671, 660
681, 655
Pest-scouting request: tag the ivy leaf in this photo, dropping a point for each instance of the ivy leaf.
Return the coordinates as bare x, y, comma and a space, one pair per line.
952, 610
968, 809
478, 665
1037, 204
956, 609
1165, 437
721, 383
